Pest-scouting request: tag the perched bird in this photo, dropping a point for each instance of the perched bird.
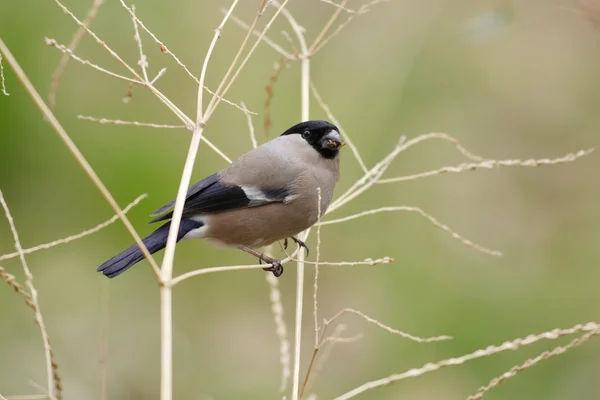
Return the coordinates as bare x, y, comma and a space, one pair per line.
266, 195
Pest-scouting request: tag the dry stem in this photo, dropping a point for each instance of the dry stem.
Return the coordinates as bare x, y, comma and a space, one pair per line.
134, 123
75, 151
431, 219
80, 235
54, 382
490, 350
491, 164
64, 60
2, 82
531, 363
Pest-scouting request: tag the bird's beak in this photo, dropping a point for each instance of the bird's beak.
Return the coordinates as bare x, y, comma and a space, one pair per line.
332, 140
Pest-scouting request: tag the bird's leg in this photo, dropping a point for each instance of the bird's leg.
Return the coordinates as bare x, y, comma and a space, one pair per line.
276, 267
300, 243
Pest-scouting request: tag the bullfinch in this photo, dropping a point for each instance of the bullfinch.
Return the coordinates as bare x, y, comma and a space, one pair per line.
268, 194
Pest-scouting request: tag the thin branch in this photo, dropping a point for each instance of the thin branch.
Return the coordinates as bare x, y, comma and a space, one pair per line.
12, 282
431, 219
250, 126
335, 339
2, 82
203, 271
373, 175
325, 354
332, 118
80, 235
369, 179
531, 363
218, 96
488, 351
97, 39
166, 50
166, 272
158, 76
491, 164
326, 28
315, 300
386, 327
69, 53
134, 123
189, 127
53, 377
238, 21
64, 60
362, 10
368, 261
75, 151
304, 116
143, 62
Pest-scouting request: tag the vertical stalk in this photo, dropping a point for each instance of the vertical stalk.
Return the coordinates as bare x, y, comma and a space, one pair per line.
305, 102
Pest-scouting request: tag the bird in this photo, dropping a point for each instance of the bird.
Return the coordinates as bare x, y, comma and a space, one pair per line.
268, 194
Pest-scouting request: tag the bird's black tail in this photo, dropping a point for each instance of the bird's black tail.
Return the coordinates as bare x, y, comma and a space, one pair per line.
156, 241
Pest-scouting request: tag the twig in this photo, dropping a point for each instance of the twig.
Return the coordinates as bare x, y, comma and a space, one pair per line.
315, 299
165, 49
143, 62
80, 235
229, 268
362, 10
326, 28
69, 53
2, 82
331, 117
287, 55
218, 96
166, 272
250, 126
134, 123
304, 116
12, 282
491, 164
373, 175
97, 39
385, 327
316, 283
157, 77
531, 363
431, 219
490, 350
53, 377
368, 261
369, 179
189, 127
64, 60
75, 151
325, 354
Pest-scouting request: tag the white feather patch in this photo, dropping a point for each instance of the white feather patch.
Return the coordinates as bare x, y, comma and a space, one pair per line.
254, 193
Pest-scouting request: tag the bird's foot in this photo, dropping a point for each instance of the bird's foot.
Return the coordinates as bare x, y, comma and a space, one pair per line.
300, 243
276, 267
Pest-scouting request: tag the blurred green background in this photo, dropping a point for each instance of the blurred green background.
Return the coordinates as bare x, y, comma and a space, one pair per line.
510, 79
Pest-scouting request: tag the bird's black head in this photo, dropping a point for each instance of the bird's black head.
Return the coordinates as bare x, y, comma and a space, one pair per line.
321, 135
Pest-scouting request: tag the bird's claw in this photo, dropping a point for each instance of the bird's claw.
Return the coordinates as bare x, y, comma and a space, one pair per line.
299, 243
276, 267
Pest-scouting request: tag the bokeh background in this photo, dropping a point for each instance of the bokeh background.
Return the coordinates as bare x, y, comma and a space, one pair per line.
510, 79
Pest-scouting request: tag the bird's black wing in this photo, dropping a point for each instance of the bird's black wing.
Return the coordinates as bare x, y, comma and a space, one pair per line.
211, 196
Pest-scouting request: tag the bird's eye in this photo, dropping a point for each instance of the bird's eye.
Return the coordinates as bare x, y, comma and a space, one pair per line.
306, 134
